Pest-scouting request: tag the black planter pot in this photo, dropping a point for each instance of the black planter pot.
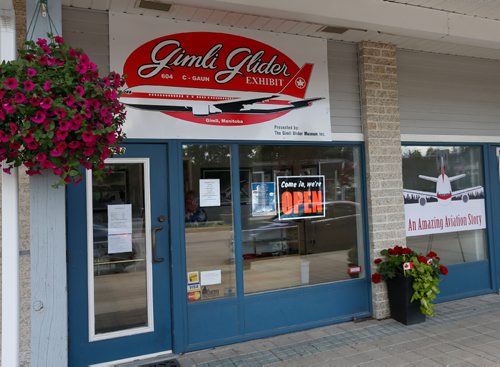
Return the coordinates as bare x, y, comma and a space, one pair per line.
402, 310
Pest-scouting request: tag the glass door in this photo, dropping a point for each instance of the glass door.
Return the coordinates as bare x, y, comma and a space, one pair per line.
119, 281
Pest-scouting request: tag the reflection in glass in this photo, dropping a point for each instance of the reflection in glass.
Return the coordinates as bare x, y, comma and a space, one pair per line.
466, 162
120, 281
287, 253
208, 222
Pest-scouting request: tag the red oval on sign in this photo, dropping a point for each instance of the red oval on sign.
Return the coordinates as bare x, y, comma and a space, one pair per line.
215, 79
209, 60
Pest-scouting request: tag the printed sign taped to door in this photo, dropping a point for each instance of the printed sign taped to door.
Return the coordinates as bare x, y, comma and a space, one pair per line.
301, 197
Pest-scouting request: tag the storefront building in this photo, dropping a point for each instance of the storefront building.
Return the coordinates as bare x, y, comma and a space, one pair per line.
266, 165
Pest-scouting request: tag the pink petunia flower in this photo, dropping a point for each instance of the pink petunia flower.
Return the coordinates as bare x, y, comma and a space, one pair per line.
110, 95
61, 134
11, 83
28, 85
31, 172
13, 128
20, 98
57, 171
31, 72
33, 145
78, 118
39, 117
47, 165
51, 61
64, 125
111, 137
82, 69
74, 145
88, 137
59, 40
47, 85
40, 157
70, 100
41, 42
58, 150
43, 60
73, 53
60, 113
4, 137
28, 138
46, 103
87, 152
9, 107
84, 59
79, 90
74, 125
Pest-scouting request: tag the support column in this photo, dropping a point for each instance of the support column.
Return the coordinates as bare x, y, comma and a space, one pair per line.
49, 311
381, 129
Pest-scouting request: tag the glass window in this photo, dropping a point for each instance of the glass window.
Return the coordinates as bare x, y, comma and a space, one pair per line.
120, 259
208, 221
296, 241
444, 201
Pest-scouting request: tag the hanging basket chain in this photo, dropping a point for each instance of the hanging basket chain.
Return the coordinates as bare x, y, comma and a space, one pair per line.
41, 8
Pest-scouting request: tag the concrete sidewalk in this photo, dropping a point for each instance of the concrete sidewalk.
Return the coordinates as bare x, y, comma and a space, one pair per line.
462, 333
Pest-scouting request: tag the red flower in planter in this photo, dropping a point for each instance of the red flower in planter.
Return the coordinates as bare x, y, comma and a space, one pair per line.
424, 271
376, 278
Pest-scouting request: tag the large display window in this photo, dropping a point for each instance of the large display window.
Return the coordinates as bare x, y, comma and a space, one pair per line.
444, 201
301, 221
301, 217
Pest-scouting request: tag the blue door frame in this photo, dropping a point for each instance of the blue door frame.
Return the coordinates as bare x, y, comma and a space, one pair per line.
494, 212
218, 322
83, 352
244, 317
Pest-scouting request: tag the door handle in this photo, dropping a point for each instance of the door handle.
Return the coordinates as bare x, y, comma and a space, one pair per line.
154, 231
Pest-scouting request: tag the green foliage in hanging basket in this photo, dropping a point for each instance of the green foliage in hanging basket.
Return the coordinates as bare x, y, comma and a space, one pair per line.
56, 113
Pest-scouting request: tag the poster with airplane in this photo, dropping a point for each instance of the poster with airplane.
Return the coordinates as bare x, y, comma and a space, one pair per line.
194, 80
444, 210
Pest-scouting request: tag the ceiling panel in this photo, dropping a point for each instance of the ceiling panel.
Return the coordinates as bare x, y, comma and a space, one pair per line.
231, 19
216, 17
246, 21
489, 9
201, 15
480, 8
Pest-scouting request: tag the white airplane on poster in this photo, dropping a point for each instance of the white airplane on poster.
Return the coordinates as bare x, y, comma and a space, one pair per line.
443, 192
205, 102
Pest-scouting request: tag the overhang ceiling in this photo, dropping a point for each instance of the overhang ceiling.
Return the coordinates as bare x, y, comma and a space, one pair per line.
457, 27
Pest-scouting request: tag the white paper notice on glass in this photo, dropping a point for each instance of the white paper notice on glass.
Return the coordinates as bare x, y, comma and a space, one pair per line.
119, 219
119, 243
210, 192
210, 277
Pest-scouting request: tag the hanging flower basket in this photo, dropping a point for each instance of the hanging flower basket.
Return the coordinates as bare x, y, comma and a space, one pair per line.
56, 113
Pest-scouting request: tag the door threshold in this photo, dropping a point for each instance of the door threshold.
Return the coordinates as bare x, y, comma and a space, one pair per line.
138, 360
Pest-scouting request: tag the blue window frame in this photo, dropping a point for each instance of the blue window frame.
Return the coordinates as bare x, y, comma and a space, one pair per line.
247, 316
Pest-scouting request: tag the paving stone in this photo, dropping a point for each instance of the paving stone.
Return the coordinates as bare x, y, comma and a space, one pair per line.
463, 333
